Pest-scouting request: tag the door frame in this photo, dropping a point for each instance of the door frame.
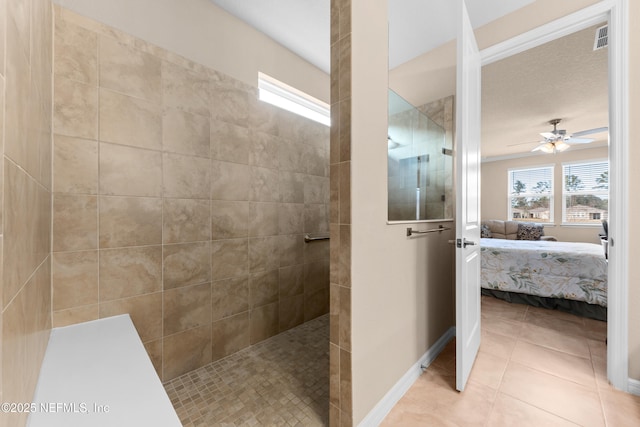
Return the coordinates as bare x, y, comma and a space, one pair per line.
616, 13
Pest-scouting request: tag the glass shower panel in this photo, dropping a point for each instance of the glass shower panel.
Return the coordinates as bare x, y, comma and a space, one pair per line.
416, 164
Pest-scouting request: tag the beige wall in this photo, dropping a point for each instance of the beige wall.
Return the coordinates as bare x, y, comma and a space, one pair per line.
208, 35
25, 180
181, 199
401, 287
495, 190
633, 233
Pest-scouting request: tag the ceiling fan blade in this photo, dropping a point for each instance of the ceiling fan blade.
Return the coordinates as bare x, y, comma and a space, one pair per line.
578, 140
548, 135
538, 148
524, 143
590, 131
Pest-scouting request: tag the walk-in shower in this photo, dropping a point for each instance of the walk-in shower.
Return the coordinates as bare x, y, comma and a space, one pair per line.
419, 163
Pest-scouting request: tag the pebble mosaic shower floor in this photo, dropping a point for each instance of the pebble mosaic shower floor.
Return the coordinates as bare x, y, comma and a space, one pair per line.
282, 381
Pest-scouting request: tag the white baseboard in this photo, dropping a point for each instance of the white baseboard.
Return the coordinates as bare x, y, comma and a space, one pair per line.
634, 386
384, 406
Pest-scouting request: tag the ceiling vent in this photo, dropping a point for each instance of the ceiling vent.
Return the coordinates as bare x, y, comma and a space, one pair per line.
602, 38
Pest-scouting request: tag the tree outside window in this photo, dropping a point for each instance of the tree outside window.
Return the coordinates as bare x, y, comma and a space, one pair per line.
531, 194
585, 192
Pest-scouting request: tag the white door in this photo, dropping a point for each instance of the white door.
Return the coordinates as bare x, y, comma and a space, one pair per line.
467, 199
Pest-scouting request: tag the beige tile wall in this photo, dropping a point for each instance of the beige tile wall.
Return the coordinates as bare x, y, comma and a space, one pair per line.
25, 197
340, 392
181, 199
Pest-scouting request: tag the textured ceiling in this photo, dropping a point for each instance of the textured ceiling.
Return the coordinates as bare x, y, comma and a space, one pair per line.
563, 79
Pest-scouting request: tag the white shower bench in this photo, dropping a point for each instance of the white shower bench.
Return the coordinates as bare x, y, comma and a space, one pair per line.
98, 374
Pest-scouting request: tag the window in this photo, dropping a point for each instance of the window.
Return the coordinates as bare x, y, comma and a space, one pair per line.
585, 192
531, 194
291, 99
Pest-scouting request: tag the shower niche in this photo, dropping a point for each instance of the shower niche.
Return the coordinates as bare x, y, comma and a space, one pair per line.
420, 160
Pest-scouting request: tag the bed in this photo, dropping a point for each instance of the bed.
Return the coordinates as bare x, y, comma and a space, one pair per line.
568, 276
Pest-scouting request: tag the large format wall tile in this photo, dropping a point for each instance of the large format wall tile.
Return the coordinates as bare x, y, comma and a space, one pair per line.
229, 335
185, 133
229, 297
263, 219
263, 150
229, 258
130, 221
229, 181
186, 351
185, 308
25, 326
75, 165
291, 187
264, 253
183, 200
129, 71
130, 121
290, 218
76, 53
292, 312
75, 315
291, 249
16, 109
229, 103
264, 185
75, 279
75, 109
26, 76
291, 280
185, 89
264, 322
229, 219
263, 288
229, 142
186, 220
129, 171
186, 264
127, 272
186, 176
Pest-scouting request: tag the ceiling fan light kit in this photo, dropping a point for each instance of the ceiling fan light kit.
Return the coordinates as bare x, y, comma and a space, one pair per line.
557, 140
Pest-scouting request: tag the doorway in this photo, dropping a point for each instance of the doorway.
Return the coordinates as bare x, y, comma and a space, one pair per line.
617, 353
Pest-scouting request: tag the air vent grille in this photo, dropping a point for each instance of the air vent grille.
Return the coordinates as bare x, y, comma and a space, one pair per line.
602, 38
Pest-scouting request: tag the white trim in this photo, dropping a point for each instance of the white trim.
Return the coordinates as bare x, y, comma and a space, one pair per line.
618, 318
384, 406
634, 387
553, 30
616, 12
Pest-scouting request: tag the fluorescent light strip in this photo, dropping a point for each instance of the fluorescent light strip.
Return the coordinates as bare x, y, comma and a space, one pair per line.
288, 98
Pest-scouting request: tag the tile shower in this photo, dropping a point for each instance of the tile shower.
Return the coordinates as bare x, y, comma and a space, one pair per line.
180, 198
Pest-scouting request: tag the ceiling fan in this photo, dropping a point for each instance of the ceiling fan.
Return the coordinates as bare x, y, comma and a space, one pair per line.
558, 140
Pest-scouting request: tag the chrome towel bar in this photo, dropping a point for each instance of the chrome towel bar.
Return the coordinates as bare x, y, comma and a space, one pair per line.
411, 231
309, 238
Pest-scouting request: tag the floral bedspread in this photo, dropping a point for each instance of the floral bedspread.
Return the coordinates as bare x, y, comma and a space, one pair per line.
568, 270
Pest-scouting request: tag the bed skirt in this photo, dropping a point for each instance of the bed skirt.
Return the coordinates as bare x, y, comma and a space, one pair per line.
579, 308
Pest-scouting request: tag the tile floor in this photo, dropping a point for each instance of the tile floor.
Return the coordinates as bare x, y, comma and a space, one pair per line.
282, 381
535, 367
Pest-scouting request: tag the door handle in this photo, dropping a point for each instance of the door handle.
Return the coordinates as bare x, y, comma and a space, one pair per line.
462, 243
